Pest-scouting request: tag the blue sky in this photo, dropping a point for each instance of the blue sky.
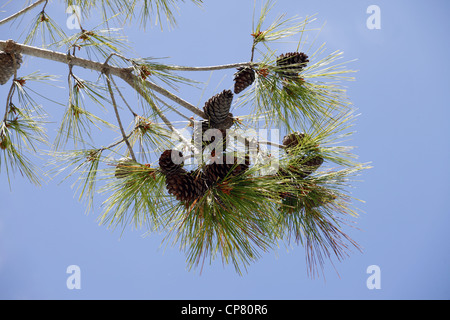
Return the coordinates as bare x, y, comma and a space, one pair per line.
401, 92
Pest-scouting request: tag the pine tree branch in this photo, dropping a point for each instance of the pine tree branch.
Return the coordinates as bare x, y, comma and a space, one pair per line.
234, 216
24, 10
123, 73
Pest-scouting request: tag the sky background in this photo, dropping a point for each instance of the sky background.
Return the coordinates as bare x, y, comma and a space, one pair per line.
401, 92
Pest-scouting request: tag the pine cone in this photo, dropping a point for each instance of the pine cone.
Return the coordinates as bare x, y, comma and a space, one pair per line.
243, 78
185, 186
216, 172
199, 129
7, 65
199, 134
310, 199
318, 198
303, 169
308, 163
167, 164
4, 142
123, 168
311, 165
292, 140
217, 109
291, 64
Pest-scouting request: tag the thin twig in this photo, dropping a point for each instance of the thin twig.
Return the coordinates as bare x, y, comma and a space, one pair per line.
272, 144
117, 55
8, 100
31, 6
113, 100
45, 6
118, 142
208, 68
123, 98
175, 110
175, 98
168, 94
253, 52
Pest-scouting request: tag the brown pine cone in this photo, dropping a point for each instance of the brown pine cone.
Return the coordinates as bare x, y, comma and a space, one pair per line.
208, 138
303, 169
217, 109
291, 63
167, 164
243, 78
124, 168
218, 170
185, 186
7, 67
292, 140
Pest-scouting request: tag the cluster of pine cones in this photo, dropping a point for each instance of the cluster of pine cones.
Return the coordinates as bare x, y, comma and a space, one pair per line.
217, 108
188, 186
289, 65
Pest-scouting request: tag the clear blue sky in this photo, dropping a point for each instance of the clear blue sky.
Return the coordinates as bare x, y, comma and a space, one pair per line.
401, 91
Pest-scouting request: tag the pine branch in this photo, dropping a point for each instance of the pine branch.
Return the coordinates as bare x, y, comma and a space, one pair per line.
123, 73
